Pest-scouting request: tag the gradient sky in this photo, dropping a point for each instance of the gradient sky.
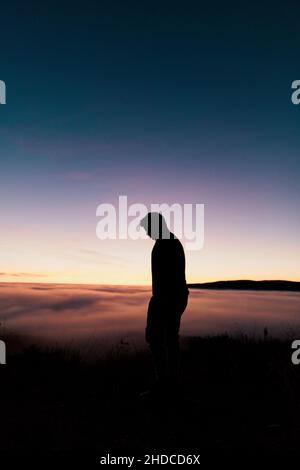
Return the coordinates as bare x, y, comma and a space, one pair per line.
162, 102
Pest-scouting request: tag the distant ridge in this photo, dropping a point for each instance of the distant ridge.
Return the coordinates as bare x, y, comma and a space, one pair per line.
249, 285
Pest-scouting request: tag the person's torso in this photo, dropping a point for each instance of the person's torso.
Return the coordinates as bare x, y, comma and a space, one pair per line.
168, 269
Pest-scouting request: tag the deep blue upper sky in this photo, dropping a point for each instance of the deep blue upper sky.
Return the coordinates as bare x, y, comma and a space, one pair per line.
169, 72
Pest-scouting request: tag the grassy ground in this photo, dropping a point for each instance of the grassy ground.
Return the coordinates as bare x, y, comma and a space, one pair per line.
237, 393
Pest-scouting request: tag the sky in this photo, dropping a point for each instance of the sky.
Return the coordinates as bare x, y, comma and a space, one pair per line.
163, 102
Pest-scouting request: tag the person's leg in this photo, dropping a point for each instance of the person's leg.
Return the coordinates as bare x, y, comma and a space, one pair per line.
159, 354
173, 352
156, 338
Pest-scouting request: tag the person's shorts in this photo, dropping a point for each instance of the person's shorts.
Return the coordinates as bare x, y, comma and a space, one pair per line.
163, 319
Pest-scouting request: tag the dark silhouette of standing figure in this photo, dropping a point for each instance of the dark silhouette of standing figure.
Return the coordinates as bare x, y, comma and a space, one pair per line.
168, 302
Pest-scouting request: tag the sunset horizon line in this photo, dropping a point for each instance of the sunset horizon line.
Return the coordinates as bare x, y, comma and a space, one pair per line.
149, 285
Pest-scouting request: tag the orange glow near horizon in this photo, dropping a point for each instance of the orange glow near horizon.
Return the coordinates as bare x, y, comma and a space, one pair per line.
59, 256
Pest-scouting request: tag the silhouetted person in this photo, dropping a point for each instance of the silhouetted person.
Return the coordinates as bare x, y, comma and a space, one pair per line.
169, 299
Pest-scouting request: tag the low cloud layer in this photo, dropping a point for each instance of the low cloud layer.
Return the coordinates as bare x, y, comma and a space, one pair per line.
67, 312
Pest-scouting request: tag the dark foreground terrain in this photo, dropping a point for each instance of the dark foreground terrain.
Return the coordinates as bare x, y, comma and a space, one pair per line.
236, 394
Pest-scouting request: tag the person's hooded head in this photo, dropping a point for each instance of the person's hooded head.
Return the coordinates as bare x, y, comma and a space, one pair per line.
155, 226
